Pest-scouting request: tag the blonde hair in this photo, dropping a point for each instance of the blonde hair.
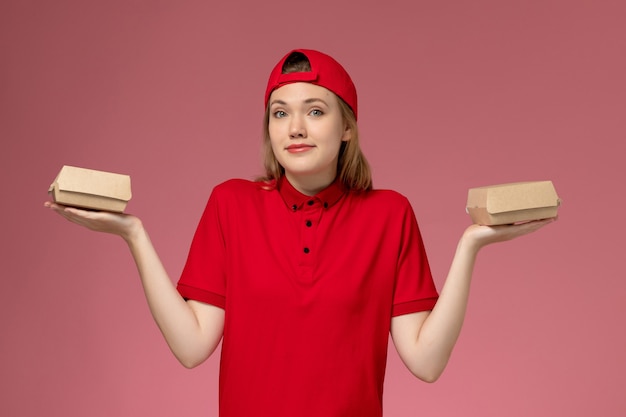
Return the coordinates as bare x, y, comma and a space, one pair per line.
352, 167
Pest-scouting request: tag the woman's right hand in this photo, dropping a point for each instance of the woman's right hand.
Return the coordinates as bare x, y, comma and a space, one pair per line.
124, 225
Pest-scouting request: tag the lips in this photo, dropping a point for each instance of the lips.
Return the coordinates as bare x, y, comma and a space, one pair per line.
299, 147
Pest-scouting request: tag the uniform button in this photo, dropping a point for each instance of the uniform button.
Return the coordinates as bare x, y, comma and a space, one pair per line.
325, 205
306, 250
310, 202
309, 223
294, 207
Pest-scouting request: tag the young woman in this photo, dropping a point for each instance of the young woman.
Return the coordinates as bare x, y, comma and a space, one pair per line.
304, 273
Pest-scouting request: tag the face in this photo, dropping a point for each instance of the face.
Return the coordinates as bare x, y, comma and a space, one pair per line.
306, 131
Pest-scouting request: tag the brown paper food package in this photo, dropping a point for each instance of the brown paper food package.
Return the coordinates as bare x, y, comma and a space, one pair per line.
91, 189
512, 203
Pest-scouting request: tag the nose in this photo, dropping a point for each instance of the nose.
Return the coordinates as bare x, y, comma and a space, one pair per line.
297, 129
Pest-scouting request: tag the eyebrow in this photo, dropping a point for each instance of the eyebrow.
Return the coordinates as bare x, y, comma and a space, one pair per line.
307, 101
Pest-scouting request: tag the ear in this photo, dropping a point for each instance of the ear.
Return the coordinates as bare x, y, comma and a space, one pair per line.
347, 134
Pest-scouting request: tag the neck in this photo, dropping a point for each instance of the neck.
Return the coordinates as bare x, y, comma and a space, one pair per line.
310, 184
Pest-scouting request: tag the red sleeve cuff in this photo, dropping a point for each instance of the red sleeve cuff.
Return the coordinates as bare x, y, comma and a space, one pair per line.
414, 306
193, 293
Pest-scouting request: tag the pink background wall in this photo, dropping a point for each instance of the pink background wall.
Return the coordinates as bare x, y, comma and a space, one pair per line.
453, 94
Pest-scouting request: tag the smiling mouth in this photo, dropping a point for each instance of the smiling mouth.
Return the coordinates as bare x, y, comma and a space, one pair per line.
300, 147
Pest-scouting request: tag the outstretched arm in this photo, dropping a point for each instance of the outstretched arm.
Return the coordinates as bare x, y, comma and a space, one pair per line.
191, 329
425, 340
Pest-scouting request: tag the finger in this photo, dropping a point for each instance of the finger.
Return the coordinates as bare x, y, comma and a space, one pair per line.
53, 206
529, 227
69, 213
538, 224
64, 210
78, 212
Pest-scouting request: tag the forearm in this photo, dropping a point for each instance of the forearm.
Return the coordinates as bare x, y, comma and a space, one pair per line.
425, 340
191, 329
189, 340
441, 329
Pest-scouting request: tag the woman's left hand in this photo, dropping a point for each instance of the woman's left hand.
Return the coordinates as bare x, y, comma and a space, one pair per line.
485, 235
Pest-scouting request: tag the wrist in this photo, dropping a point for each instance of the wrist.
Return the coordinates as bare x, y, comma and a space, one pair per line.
134, 230
470, 242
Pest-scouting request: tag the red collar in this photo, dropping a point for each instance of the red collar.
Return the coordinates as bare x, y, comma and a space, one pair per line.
294, 199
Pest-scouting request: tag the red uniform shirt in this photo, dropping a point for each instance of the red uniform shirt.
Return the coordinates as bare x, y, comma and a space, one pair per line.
309, 286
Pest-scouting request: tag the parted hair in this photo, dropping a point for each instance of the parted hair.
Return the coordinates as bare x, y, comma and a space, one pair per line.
352, 167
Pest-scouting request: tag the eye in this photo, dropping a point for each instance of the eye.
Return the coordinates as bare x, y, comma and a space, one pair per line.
316, 112
279, 114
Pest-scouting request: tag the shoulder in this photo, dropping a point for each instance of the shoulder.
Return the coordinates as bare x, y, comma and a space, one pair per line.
239, 192
383, 198
384, 206
237, 184
237, 187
